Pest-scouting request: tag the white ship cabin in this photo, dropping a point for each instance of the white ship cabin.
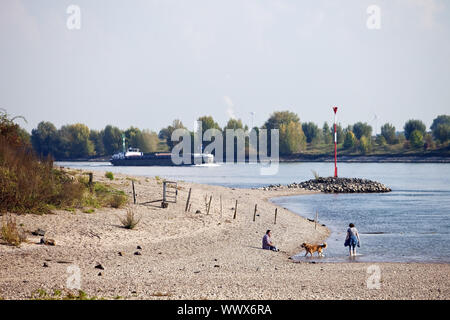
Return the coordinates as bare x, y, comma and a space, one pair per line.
133, 152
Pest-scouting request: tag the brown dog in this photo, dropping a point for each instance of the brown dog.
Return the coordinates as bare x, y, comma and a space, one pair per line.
311, 248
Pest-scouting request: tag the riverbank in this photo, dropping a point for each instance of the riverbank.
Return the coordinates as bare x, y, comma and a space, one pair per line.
375, 158
197, 255
425, 157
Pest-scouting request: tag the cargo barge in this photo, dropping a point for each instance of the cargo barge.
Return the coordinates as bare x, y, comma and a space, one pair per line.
134, 157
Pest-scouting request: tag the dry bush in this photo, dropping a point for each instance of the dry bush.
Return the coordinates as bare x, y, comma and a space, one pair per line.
10, 232
30, 185
130, 221
117, 200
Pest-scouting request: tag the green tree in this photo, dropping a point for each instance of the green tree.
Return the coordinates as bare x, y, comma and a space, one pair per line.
388, 132
413, 125
362, 129
350, 140
133, 137
278, 118
44, 139
364, 145
326, 134
292, 138
416, 139
441, 128
148, 141
311, 131
112, 139
381, 140
236, 124
166, 133
208, 123
97, 139
74, 141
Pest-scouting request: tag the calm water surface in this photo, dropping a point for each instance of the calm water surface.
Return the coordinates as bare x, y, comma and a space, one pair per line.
410, 224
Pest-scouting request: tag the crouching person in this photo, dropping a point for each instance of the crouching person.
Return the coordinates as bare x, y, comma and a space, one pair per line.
267, 243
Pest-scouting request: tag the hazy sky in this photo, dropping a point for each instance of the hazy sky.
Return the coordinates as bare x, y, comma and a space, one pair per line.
145, 63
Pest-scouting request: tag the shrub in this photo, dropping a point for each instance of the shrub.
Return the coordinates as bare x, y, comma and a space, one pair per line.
130, 221
117, 200
10, 232
109, 175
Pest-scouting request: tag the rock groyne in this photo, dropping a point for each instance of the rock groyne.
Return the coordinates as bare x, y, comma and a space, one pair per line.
336, 185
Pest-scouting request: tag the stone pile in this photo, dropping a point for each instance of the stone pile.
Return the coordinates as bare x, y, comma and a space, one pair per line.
335, 185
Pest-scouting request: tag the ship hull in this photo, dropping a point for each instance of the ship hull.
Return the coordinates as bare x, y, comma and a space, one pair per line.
155, 160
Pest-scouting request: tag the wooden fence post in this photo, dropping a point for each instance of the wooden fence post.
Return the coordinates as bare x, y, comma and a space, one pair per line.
235, 210
188, 199
91, 180
276, 211
134, 193
209, 204
254, 213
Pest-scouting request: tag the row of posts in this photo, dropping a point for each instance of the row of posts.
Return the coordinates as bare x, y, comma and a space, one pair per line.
188, 206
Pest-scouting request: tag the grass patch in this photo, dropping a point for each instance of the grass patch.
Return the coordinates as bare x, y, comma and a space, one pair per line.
109, 175
130, 221
10, 232
316, 174
41, 294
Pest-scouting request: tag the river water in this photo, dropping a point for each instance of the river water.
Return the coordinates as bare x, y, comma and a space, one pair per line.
409, 224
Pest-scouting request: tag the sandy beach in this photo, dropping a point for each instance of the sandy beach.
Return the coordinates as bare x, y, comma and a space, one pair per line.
189, 255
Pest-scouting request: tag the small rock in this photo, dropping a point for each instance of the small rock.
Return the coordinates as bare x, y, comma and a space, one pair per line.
139, 248
198, 211
120, 254
38, 232
99, 266
216, 266
45, 265
99, 274
137, 253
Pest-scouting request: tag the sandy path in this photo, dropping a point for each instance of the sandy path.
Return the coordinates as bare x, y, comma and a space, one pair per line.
198, 256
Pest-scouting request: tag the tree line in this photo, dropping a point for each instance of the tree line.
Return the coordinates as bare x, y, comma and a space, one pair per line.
78, 141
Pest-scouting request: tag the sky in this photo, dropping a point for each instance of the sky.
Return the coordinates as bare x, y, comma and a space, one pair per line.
144, 63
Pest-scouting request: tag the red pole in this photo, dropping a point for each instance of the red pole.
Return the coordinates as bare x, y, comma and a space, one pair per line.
335, 143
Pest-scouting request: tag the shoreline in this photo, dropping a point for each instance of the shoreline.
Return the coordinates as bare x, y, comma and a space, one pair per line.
198, 256
329, 158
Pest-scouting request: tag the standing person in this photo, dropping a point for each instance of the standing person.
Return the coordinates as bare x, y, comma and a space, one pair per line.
352, 239
267, 243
